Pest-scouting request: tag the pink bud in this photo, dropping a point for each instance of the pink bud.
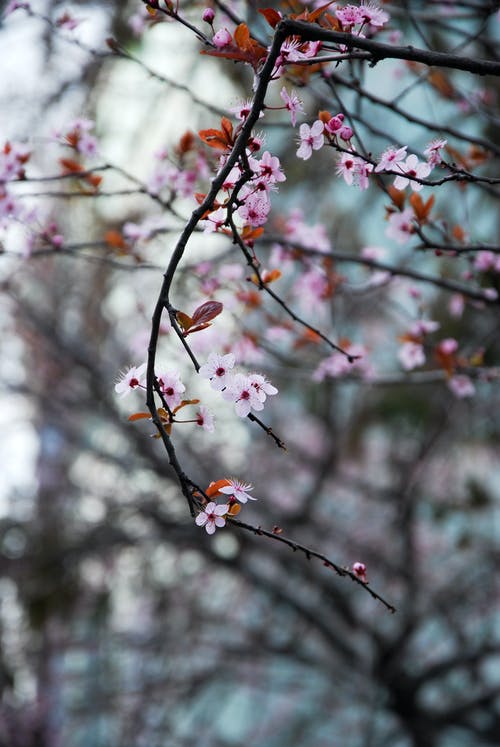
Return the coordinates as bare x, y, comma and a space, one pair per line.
222, 38
335, 123
346, 133
208, 15
359, 570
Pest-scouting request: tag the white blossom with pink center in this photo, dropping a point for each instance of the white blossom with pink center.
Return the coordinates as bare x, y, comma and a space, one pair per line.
134, 377
240, 491
218, 370
212, 517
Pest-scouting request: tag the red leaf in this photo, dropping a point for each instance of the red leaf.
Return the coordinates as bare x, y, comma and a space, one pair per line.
272, 16
206, 312
139, 416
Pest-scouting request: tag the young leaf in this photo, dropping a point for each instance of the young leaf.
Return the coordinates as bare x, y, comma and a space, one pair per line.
206, 312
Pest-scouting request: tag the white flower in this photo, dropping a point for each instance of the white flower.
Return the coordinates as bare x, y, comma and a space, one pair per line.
217, 369
212, 517
243, 394
239, 490
131, 379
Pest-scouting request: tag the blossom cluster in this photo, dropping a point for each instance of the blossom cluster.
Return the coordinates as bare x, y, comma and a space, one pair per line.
213, 515
171, 388
247, 391
254, 197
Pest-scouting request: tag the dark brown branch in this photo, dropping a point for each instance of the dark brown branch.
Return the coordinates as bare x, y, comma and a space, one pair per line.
380, 51
297, 547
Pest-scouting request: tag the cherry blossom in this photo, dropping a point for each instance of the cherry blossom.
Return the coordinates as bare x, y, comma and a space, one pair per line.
217, 369
205, 419
312, 237
335, 123
222, 38
243, 394
311, 138
448, 347
269, 168
423, 327
134, 377
461, 386
390, 157
255, 208
262, 386
345, 133
171, 387
337, 365
238, 490
412, 167
400, 226
373, 15
208, 16
292, 103
432, 151
212, 517
345, 167
359, 570
411, 355
215, 220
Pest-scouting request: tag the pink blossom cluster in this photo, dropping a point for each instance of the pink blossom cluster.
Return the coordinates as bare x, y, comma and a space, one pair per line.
77, 135
338, 365
357, 18
213, 516
171, 388
13, 157
294, 50
247, 391
254, 198
412, 353
408, 168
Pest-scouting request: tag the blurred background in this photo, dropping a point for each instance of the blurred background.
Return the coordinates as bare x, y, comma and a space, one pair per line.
121, 622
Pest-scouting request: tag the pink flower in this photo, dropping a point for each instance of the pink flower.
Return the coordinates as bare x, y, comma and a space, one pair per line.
432, 151
400, 226
345, 133
270, 168
239, 491
131, 379
337, 365
208, 15
215, 220
448, 346
359, 570
350, 15
205, 419
311, 138
217, 369
222, 38
373, 15
292, 103
243, 394
389, 158
423, 327
212, 516
345, 167
363, 169
354, 170
461, 386
262, 386
171, 387
335, 123
412, 167
255, 209
411, 355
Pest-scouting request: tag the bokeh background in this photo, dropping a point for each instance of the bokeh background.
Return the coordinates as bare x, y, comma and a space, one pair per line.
121, 622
